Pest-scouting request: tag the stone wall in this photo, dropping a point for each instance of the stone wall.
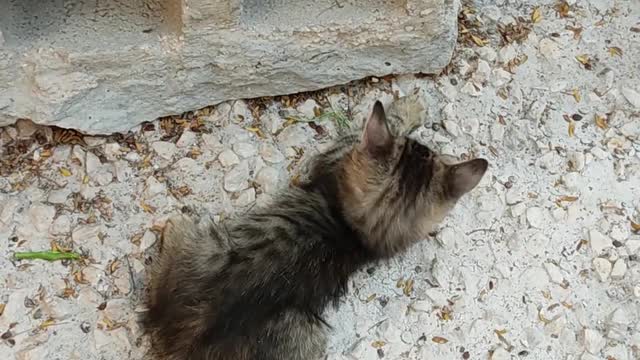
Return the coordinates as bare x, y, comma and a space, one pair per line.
106, 66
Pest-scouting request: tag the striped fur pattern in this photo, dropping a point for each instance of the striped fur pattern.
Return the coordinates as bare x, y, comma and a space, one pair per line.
255, 287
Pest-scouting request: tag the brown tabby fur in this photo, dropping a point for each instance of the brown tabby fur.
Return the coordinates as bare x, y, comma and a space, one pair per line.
255, 288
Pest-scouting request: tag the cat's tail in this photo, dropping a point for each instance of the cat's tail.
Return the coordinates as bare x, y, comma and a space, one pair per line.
178, 311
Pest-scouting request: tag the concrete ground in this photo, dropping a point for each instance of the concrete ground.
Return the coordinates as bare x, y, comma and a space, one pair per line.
542, 261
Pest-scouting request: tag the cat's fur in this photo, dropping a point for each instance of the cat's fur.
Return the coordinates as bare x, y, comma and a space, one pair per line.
256, 287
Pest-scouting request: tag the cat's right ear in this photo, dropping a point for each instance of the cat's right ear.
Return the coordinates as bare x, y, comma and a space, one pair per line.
376, 138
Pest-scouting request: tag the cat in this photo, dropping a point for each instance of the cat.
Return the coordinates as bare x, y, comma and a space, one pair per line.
255, 287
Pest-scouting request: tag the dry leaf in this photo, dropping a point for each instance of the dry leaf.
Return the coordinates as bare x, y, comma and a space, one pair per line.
115, 264
85, 180
536, 15
572, 129
370, 298
601, 122
562, 8
45, 324
256, 131
577, 31
147, 208
65, 172
583, 59
635, 226
576, 94
408, 287
568, 198
439, 340
79, 278
378, 344
478, 40
615, 51
2, 306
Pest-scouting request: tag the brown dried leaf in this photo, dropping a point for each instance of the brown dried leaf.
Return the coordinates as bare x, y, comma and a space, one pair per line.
65, 172
562, 8
615, 51
568, 198
378, 344
115, 264
583, 59
439, 340
147, 208
635, 227
79, 278
601, 122
408, 287
256, 131
2, 306
576, 94
479, 41
577, 31
45, 324
572, 129
536, 15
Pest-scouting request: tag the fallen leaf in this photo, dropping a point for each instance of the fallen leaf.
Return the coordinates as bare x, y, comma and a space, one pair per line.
568, 198
408, 287
601, 121
562, 8
577, 31
572, 129
478, 40
45, 324
65, 172
256, 131
583, 59
576, 94
615, 51
439, 340
147, 208
635, 226
115, 264
536, 15
2, 306
378, 344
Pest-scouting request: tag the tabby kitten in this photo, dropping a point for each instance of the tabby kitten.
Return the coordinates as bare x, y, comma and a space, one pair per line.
256, 287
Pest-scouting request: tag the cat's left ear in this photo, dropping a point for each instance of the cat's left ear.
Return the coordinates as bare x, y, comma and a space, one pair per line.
376, 138
463, 177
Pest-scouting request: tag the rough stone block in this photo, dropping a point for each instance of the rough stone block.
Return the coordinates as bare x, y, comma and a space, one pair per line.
106, 66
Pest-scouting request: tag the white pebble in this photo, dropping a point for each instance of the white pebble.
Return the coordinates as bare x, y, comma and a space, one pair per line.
271, 154
536, 217
632, 96
236, 178
593, 341
619, 269
164, 149
602, 268
228, 158
555, 274
244, 149
599, 242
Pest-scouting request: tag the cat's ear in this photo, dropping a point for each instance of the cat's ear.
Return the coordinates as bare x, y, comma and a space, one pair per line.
465, 176
376, 138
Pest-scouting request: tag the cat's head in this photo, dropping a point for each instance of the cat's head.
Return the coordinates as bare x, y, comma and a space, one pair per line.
395, 190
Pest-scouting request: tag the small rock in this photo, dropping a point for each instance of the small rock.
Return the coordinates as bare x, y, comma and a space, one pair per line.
599, 153
58, 196
293, 135
188, 138
576, 161
593, 341
536, 217
93, 141
500, 77
482, 73
244, 149
549, 49
273, 123
487, 53
632, 96
599, 242
619, 269
500, 354
452, 128
631, 129
61, 225
245, 197
211, 143
148, 240
632, 246
507, 54
164, 149
554, 272
25, 128
471, 89
307, 108
153, 187
236, 178
536, 110
123, 170
40, 217
271, 154
61, 153
268, 179
470, 126
602, 268
132, 157
86, 234
228, 158
112, 151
